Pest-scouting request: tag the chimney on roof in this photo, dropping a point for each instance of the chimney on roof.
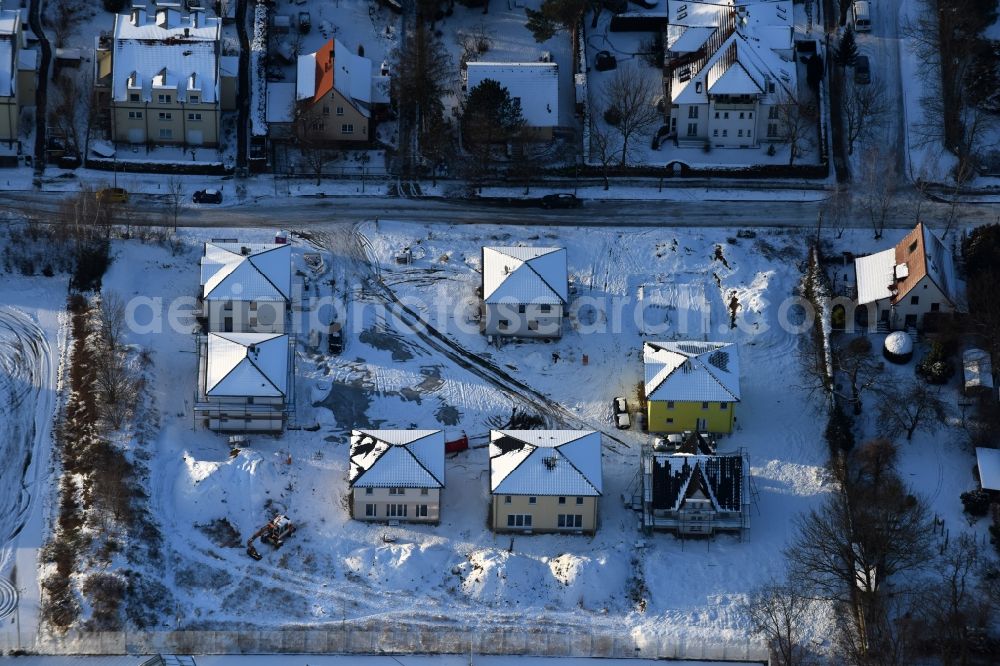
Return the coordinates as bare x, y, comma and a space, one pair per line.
245, 251
252, 349
194, 19
187, 31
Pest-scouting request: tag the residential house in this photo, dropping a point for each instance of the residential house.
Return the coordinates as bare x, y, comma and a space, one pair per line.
160, 78
525, 291
691, 386
336, 93
545, 480
246, 287
245, 381
17, 73
397, 475
694, 493
729, 70
907, 284
534, 84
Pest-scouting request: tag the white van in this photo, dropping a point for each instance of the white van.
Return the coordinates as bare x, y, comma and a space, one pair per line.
862, 16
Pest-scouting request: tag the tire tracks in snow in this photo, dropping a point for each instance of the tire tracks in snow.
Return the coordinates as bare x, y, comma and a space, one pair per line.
514, 388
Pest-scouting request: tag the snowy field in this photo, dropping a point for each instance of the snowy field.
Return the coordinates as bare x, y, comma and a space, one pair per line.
337, 570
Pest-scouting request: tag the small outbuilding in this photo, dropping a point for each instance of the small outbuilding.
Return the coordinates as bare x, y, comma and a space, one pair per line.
988, 463
898, 347
977, 369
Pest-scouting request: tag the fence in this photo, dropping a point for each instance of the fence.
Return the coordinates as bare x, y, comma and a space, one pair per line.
394, 639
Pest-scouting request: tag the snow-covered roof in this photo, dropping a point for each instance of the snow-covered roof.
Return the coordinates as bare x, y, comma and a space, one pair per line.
692, 371
525, 275
747, 49
10, 24
875, 275
247, 365
893, 273
166, 53
280, 98
989, 467
246, 272
334, 66
397, 459
545, 462
535, 84
978, 369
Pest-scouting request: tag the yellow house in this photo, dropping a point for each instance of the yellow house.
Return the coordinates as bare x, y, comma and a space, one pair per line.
691, 386
545, 480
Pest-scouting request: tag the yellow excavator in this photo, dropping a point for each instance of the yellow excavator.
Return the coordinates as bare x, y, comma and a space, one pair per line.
274, 534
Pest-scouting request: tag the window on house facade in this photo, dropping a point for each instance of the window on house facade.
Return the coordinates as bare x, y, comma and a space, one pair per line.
369, 491
506, 499
347, 128
166, 115
397, 491
697, 86
532, 500
704, 405
716, 115
166, 134
519, 520
326, 110
935, 307
195, 99
715, 132
741, 115
914, 300
521, 309
533, 325
395, 510
340, 110
371, 511
133, 97
772, 130
670, 404
692, 112
772, 113
164, 99
723, 405
749, 132
545, 308
424, 491
421, 511
579, 500
503, 324
725, 132
725, 115
692, 129
912, 248
740, 133
570, 520
135, 115
750, 115
562, 500
194, 116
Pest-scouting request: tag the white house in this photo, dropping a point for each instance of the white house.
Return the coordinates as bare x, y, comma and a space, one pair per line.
244, 381
159, 75
246, 287
534, 84
904, 284
545, 480
729, 66
397, 475
525, 291
988, 466
17, 73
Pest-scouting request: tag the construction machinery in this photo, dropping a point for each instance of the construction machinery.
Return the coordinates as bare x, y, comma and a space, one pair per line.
273, 534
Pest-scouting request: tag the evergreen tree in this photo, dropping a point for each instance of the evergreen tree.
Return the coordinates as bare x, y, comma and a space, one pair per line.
847, 51
554, 15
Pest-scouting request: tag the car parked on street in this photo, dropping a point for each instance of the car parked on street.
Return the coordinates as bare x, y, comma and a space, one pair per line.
563, 200
619, 406
112, 195
862, 70
207, 197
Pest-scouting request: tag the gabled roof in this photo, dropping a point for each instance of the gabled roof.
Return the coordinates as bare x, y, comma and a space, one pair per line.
535, 84
162, 52
246, 271
679, 477
692, 371
545, 462
335, 67
525, 275
894, 272
247, 365
397, 459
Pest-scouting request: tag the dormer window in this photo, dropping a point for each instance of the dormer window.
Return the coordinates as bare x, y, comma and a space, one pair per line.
912, 248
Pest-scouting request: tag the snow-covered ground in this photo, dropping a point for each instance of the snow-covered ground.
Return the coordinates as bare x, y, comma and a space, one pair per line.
336, 570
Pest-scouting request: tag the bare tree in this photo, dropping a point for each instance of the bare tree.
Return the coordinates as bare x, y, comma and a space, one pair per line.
865, 111
630, 102
777, 613
175, 198
70, 109
856, 362
309, 125
605, 147
114, 376
838, 210
796, 121
905, 409
878, 186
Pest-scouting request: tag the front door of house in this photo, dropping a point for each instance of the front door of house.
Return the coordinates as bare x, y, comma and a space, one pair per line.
702, 425
227, 325
911, 320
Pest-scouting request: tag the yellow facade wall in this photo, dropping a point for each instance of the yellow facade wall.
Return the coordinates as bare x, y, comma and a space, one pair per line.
544, 512
681, 416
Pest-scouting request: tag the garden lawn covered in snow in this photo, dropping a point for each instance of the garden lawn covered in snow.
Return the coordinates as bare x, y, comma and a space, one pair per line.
333, 569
